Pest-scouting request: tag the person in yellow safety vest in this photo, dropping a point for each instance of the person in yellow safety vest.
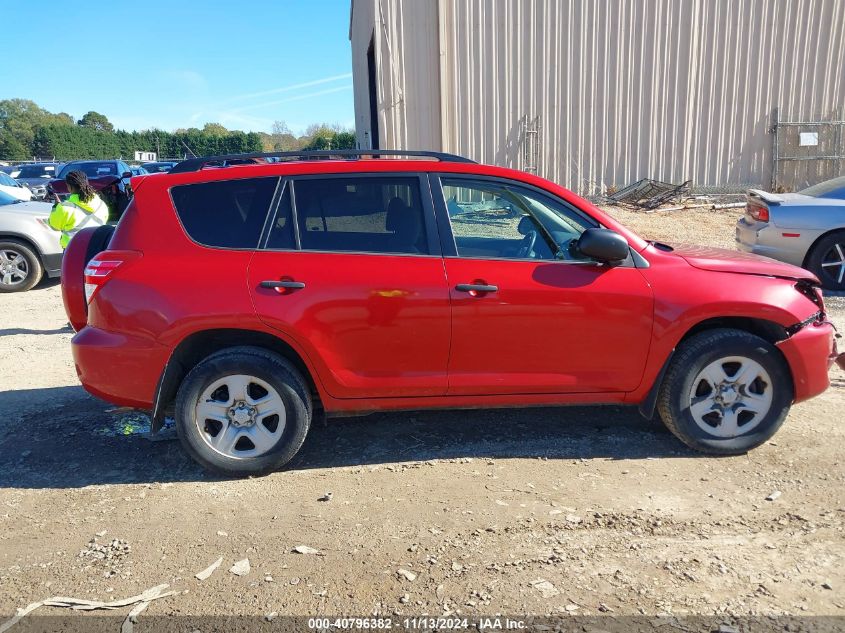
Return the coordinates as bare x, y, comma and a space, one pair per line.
82, 208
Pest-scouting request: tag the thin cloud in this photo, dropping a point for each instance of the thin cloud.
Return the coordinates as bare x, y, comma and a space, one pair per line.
309, 95
307, 84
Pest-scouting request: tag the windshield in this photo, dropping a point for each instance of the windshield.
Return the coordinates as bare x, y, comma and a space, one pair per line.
92, 169
5, 199
155, 168
834, 188
37, 171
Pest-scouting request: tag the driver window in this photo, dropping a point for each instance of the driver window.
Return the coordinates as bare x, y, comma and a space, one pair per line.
490, 221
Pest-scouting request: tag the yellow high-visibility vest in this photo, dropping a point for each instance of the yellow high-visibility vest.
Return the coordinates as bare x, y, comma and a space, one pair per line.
71, 215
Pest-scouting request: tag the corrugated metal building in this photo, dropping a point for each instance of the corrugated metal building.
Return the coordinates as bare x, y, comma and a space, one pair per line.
599, 93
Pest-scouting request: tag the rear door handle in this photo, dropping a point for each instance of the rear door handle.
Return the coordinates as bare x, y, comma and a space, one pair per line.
476, 288
288, 285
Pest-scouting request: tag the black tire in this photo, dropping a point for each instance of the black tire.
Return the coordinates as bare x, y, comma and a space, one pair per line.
268, 367
691, 358
825, 251
33, 271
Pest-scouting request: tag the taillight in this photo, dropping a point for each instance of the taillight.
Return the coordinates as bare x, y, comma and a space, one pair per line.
757, 212
100, 269
97, 273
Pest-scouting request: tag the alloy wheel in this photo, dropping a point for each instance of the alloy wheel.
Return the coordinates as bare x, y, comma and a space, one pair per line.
14, 268
833, 263
240, 416
730, 396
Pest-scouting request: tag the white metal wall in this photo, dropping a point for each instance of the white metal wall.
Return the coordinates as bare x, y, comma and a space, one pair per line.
405, 37
624, 89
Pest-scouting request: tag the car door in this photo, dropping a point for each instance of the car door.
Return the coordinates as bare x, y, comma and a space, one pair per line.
351, 270
528, 314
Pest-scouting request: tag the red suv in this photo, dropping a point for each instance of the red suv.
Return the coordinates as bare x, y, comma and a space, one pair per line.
245, 295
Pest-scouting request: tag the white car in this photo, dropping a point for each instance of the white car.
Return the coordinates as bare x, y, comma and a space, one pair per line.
29, 248
14, 188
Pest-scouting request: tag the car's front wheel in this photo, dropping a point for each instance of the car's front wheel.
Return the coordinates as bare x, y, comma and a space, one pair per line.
243, 411
20, 268
725, 392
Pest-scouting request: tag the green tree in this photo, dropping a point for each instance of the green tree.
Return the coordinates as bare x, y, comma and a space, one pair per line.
11, 148
96, 121
19, 119
215, 129
282, 139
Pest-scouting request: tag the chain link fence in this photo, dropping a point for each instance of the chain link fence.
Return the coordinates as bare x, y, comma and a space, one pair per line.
807, 152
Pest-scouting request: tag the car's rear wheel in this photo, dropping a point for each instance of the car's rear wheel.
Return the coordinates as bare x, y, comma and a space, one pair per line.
243, 411
827, 260
20, 268
725, 392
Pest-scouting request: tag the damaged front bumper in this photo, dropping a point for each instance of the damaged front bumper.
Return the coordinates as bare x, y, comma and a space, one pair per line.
811, 351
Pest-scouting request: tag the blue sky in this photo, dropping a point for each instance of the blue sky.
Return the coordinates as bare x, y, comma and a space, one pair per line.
242, 63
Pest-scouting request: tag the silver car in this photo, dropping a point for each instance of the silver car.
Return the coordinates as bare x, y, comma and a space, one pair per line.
805, 228
29, 248
35, 177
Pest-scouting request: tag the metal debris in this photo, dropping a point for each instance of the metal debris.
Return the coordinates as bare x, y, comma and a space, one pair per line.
326, 497
649, 194
774, 496
304, 549
206, 573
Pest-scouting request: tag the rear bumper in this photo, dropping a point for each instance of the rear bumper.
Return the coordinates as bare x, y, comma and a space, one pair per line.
118, 368
763, 238
811, 353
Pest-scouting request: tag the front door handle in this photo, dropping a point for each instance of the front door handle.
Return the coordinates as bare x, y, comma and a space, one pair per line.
287, 285
476, 288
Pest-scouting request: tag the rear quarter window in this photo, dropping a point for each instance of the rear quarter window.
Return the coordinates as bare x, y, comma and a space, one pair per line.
225, 214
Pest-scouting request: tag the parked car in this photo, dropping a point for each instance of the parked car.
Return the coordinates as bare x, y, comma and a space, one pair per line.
35, 177
12, 187
246, 300
805, 228
160, 167
110, 178
29, 248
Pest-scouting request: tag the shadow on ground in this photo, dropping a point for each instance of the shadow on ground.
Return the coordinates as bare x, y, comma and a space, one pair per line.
80, 443
18, 330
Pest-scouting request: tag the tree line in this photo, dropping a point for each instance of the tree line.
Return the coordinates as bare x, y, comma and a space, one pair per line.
27, 131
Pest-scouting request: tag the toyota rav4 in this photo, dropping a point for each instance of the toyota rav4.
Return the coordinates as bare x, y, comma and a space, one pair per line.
246, 295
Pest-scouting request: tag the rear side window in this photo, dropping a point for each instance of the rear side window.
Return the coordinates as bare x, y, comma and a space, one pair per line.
225, 214
354, 214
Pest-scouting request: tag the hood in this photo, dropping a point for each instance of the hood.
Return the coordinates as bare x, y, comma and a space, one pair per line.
40, 209
727, 261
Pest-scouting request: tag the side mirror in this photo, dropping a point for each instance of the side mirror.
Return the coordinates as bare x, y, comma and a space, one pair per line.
127, 174
603, 245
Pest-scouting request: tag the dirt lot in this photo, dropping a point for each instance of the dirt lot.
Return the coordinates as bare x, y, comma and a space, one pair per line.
479, 508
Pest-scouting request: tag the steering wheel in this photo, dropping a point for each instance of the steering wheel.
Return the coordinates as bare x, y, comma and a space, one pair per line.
526, 246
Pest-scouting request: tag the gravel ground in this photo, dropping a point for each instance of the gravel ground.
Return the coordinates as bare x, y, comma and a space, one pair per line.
576, 512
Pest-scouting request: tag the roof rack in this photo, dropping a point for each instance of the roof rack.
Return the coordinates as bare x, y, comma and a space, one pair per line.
196, 164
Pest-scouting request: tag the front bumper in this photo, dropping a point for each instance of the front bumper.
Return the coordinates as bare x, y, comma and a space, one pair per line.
118, 368
811, 353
